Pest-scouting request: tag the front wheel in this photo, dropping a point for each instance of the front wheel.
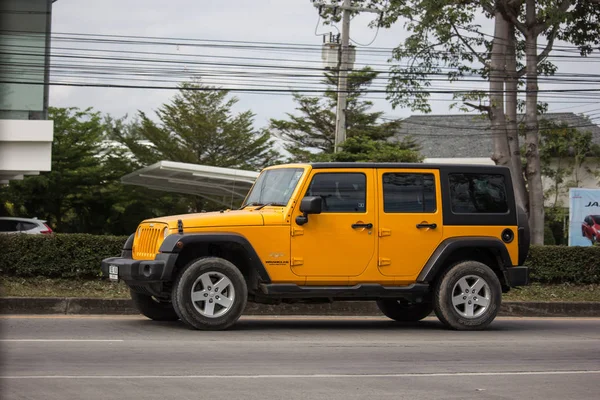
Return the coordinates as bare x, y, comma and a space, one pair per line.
468, 296
153, 308
398, 311
210, 293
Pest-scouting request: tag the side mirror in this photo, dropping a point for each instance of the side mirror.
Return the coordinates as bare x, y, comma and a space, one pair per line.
309, 205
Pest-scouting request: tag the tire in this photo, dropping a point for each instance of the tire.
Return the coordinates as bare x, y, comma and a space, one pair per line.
397, 311
212, 307
470, 311
152, 308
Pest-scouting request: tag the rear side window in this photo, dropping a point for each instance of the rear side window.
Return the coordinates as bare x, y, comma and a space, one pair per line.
478, 193
8, 225
26, 226
341, 192
408, 193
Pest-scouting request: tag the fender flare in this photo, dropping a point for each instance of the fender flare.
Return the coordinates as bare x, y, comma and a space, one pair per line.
447, 247
170, 245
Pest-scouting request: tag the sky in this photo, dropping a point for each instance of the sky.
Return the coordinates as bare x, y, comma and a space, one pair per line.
282, 21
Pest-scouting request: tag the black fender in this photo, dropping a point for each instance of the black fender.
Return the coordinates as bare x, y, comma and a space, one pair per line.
175, 243
447, 247
126, 252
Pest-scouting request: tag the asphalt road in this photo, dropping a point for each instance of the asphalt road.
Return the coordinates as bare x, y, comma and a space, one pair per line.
60, 357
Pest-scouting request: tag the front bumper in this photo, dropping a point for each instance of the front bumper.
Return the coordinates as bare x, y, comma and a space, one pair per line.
517, 276
144, 271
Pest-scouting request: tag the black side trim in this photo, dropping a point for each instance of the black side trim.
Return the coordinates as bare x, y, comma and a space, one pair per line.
126, 252
357, 291
392, 165
169, 246
448, 246
517, 276
524, 236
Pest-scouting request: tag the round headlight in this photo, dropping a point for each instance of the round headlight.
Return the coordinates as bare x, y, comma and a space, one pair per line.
165, 232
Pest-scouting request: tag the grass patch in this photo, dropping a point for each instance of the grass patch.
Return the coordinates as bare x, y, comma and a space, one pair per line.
44, 287
556, 292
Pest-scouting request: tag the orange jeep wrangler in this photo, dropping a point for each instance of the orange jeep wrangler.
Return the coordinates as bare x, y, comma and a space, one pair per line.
415, 238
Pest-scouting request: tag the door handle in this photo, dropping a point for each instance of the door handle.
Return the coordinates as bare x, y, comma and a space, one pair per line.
432, 226
368, 226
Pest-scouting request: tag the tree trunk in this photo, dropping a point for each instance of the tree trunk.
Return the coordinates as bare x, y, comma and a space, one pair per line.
512, 129
533, 171
501, 154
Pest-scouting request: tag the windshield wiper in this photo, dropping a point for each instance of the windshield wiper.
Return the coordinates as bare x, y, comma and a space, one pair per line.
250, 205
269, 204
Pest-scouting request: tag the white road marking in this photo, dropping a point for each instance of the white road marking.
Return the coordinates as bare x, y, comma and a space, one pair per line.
61, 340
300, 376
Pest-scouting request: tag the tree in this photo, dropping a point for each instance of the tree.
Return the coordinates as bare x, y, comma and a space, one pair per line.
444, 40
310, 136
198, 126
563, 153
365, 149
82, 192
61, 195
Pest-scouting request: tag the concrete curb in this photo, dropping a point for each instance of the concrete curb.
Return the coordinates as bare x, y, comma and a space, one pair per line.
88, 306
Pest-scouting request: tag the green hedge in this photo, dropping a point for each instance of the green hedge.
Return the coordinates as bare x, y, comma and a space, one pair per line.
57, 255
79, 256
557, 264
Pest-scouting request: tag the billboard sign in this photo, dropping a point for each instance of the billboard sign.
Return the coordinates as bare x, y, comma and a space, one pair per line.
584, 217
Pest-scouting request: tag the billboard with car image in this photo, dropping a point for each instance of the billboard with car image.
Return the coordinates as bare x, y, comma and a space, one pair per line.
584, 217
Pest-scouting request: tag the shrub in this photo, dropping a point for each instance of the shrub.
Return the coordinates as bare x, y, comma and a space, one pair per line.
557, 264
79, 256
57, 255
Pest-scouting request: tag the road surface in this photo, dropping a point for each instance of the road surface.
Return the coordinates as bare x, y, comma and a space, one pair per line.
130, 357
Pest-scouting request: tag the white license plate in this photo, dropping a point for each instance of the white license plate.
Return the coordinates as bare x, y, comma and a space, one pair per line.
113, 272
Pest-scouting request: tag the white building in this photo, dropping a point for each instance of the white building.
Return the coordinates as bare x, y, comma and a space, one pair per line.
25, 133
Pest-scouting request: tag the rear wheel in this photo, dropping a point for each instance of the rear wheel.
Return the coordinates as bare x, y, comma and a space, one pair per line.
404, 312
154, 308
468, 296
210, 294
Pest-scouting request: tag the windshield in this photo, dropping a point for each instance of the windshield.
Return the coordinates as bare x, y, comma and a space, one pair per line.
274, 187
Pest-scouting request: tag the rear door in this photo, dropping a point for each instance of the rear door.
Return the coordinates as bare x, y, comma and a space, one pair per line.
410, 220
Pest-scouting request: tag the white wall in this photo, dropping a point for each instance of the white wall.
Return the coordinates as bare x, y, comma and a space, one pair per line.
25, 148
585, 176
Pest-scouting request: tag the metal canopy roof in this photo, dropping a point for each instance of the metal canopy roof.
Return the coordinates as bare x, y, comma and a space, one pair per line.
221, 185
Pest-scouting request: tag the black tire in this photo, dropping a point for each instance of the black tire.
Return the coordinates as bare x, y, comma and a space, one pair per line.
191, 312
456, 317
157, 310
397, 311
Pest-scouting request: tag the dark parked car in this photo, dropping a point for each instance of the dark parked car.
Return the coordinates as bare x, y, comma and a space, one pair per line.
591, 228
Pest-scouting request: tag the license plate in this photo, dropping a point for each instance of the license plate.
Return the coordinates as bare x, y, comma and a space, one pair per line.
113, 272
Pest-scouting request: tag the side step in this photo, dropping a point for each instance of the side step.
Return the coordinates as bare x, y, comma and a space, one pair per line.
364, 291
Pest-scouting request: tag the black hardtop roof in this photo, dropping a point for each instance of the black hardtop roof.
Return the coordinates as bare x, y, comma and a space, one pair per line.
449, 166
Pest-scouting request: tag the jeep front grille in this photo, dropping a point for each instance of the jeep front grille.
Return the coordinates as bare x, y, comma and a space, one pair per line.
147, 241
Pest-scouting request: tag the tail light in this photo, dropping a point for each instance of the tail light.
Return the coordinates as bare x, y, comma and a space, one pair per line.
47, 231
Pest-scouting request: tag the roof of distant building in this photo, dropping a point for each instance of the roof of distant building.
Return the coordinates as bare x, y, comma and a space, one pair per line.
469, 135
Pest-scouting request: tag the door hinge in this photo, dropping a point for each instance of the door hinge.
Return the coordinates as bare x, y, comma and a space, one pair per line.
384, 261
297, 261
385, 232
297, 231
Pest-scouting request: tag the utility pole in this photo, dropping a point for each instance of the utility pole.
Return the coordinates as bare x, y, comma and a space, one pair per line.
342, 100
343, 67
